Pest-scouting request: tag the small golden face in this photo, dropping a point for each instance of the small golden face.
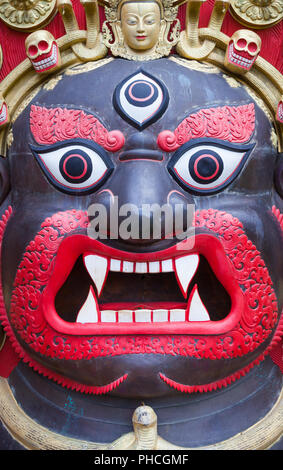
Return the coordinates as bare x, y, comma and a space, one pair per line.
140, 24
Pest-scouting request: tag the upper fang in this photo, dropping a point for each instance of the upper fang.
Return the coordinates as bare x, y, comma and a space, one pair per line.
97, 267
185, 268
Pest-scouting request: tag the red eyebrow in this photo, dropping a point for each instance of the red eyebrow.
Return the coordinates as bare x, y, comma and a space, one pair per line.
231, 123
51, 125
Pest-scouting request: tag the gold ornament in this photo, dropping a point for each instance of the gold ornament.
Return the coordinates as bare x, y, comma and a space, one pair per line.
43, 51
279, 114
92, 47
4, 114
257, 14
27, 15
210, 44
141, 30
189, 45
242, 51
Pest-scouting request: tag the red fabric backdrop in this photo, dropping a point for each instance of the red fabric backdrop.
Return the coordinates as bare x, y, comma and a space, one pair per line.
13, 46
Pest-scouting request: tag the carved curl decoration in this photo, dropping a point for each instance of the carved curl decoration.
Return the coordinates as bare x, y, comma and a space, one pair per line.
70, 124
26, 15
257, 13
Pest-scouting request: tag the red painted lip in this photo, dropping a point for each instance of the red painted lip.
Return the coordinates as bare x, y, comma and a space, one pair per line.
207, 245
140, 38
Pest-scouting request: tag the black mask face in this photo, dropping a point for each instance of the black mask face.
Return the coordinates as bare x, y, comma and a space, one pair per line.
142, 315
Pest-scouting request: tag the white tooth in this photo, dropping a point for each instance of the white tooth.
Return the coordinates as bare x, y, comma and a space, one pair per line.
108, 316
125, 316
128, 267
197, 311
185, 268
167, 265
115, 265
88, 312
141, 268
160, 315
177, 315
143, 315
97, 268
154, 267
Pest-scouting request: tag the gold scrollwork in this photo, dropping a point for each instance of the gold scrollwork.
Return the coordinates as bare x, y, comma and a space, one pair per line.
258, 14
27, 15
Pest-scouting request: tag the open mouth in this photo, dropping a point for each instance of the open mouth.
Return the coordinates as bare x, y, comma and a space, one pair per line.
47, 62
98, 290
245, 62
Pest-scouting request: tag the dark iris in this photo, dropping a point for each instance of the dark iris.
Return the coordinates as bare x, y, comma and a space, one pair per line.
141, 93
205, 166
141, 90
75, 166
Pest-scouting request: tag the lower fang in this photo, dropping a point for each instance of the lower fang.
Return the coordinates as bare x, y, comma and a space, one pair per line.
89, 311
197, 310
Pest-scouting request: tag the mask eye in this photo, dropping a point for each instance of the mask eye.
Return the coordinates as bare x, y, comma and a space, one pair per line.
75, 167
208, 167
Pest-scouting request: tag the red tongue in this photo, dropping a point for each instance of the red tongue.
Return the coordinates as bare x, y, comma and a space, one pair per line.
148, 305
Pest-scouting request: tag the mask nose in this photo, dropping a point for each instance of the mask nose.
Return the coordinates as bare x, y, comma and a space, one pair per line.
142, 204
141, 146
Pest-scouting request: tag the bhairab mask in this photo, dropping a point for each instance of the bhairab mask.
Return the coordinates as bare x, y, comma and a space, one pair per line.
198, 314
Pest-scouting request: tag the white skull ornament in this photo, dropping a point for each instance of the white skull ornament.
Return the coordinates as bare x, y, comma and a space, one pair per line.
4, 115
43, 51
279, 114
242, 51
